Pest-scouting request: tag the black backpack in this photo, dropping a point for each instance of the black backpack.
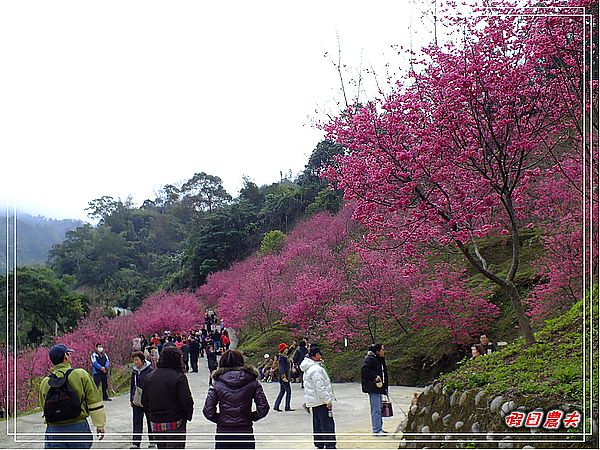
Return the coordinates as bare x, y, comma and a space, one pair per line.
62, 402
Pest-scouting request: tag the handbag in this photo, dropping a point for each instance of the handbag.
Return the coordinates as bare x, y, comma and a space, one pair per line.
386, 407
137, 395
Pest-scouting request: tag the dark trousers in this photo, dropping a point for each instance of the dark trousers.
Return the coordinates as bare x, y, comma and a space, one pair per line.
194, 361
162, 439
323, 427
226, 440
138, 425
186, 362
284, 388
102, 378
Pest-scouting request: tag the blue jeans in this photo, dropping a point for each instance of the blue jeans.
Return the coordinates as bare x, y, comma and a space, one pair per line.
284, 388
376, 420
322, 424
73, 441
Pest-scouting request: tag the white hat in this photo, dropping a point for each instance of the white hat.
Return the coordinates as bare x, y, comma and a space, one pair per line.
266, 356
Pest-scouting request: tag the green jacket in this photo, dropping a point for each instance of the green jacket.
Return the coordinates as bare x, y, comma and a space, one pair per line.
83, 385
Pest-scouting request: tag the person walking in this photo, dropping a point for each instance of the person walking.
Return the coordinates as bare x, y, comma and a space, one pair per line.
298, 358
185, 353
234, 389
68, 397
168, 400
215, 336
211, 360
318, 395
284, 379
374, 380
100, 366
151, 355
141, 369
194, 353
225, 339
203, 341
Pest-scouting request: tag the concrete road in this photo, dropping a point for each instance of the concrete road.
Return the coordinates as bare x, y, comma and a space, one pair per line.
279, 430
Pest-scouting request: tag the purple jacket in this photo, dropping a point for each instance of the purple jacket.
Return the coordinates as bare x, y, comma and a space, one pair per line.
233, 391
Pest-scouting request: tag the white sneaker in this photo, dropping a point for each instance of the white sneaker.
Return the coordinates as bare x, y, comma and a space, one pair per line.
381, 433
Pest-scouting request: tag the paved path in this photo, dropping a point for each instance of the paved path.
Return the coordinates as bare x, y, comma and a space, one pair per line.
276, 431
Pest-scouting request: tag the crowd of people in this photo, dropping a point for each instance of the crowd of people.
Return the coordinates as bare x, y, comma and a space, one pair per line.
161, 398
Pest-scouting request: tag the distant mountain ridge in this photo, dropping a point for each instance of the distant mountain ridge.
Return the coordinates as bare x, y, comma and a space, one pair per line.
35, 236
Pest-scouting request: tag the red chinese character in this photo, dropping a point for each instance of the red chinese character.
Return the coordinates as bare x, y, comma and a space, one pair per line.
515, 419
553, 419
534, 418
572, 419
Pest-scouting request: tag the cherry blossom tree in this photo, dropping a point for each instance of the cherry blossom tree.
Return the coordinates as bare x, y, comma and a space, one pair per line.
452, 153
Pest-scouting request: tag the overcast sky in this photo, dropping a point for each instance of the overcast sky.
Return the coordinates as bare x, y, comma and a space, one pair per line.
121, 97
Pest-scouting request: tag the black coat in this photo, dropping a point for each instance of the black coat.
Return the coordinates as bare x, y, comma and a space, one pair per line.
138, 377
233, 391
372, 367
194, 347
167, 396
211, 360
284, 366
185, 352
300, 354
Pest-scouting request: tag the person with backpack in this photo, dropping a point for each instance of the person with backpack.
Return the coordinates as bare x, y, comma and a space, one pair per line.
100, 366
68, 396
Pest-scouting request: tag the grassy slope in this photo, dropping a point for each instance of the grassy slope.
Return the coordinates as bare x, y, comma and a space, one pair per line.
546, 374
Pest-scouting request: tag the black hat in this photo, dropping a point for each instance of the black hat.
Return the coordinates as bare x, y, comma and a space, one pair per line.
314, 349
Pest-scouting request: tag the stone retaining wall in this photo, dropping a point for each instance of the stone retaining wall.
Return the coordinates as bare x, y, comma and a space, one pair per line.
438, 412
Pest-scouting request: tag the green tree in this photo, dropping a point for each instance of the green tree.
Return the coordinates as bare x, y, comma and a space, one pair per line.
272, 242
43, 302
228, 234
204, 192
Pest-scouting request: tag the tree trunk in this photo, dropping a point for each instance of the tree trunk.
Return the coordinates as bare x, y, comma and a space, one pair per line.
520, 313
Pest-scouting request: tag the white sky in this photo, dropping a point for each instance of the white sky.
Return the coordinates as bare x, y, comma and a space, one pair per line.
121, 97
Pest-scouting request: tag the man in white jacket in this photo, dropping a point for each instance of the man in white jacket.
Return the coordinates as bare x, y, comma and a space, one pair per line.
318, 395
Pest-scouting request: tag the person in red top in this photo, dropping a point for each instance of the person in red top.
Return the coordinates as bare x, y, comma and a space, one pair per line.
225, 339
155, 340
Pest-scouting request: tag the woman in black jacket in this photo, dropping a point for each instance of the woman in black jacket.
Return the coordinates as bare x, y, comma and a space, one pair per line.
374, 380
168, 400
235, 387
140, 371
